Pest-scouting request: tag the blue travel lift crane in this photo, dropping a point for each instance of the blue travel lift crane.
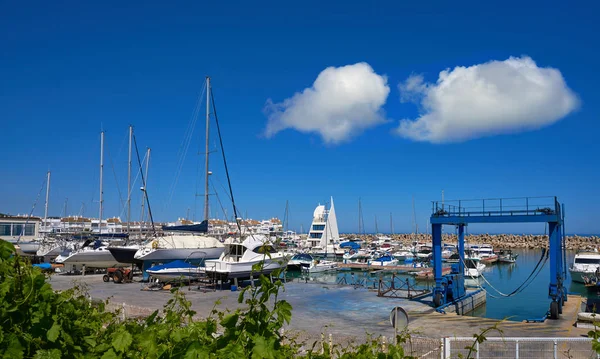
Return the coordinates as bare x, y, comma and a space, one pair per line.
450, 288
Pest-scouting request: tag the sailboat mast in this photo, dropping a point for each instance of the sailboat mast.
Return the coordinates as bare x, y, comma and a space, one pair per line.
101, 171
129, 180
359, 217
145, 184
391, 224
206, 149
376, 228
46, 205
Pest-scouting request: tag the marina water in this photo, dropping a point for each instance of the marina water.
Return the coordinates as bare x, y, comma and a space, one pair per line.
530, 303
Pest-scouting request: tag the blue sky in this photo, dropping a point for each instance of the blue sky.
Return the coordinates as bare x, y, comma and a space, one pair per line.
70, 69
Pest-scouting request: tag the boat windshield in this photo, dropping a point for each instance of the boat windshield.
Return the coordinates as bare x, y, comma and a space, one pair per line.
471, 263
264, 249
302, 256
587, 260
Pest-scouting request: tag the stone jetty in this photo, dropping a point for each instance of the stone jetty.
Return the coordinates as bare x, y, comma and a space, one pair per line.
530, 241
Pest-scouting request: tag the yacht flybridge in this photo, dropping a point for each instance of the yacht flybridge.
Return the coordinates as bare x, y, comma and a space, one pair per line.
323, 237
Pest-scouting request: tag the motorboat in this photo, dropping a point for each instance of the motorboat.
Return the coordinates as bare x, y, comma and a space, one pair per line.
318, 266
385, 260
424, 252
238, 259
403, 255
92, 255
299, 261
190, 247
473, 267
176, 270
507, 256
585, 264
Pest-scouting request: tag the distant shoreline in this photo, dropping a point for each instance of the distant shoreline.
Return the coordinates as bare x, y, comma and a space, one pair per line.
573, 242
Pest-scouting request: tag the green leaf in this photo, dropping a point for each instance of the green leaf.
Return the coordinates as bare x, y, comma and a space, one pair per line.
48, 354
263, 348
53, 333
121, 340
229, 321
110, 354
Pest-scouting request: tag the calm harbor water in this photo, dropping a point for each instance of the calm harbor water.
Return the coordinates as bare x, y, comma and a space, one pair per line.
531, 302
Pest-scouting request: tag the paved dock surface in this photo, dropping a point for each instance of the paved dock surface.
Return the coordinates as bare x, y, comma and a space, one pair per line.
339, 310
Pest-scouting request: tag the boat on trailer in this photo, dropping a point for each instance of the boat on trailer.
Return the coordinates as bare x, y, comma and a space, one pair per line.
176, 270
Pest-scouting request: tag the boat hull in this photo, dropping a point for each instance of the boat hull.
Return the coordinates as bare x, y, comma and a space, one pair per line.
578, 274
125, 255
172, 274
91, 259
171, 254
223, 271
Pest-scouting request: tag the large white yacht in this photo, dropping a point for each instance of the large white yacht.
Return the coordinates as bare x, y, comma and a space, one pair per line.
584, 264
323, 237
238, 258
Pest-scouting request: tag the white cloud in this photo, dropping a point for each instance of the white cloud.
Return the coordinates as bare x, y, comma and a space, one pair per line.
496, 97
342, 102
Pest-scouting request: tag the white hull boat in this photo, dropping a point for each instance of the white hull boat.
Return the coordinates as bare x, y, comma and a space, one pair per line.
176, 270
300, 261
321, 266
585, 264
238, 259
473, 267
90, 258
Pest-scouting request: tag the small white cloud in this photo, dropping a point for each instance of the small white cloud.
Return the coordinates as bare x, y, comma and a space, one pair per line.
342, 102
496, 97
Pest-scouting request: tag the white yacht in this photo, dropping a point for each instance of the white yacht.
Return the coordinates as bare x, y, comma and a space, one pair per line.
585, 264
300, 261
473, 267
323, 237
238, 258
385, 260
180, 246
403, 254
319, 266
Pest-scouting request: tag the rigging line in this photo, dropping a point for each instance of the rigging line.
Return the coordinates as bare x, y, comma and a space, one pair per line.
122, 213
218, 198
144, 184
183, 148
225, 162
112, 165
227, 194
31, 212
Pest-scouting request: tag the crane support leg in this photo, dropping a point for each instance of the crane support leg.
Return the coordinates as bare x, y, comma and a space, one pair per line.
556, 291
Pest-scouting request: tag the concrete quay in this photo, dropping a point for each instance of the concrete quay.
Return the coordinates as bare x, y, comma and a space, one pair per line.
343, 311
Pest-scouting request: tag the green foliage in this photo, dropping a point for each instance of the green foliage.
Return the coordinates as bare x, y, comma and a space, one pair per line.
38, 322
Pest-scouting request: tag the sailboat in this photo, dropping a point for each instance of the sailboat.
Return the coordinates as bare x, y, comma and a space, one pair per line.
93, 254
324, 236
186, 242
